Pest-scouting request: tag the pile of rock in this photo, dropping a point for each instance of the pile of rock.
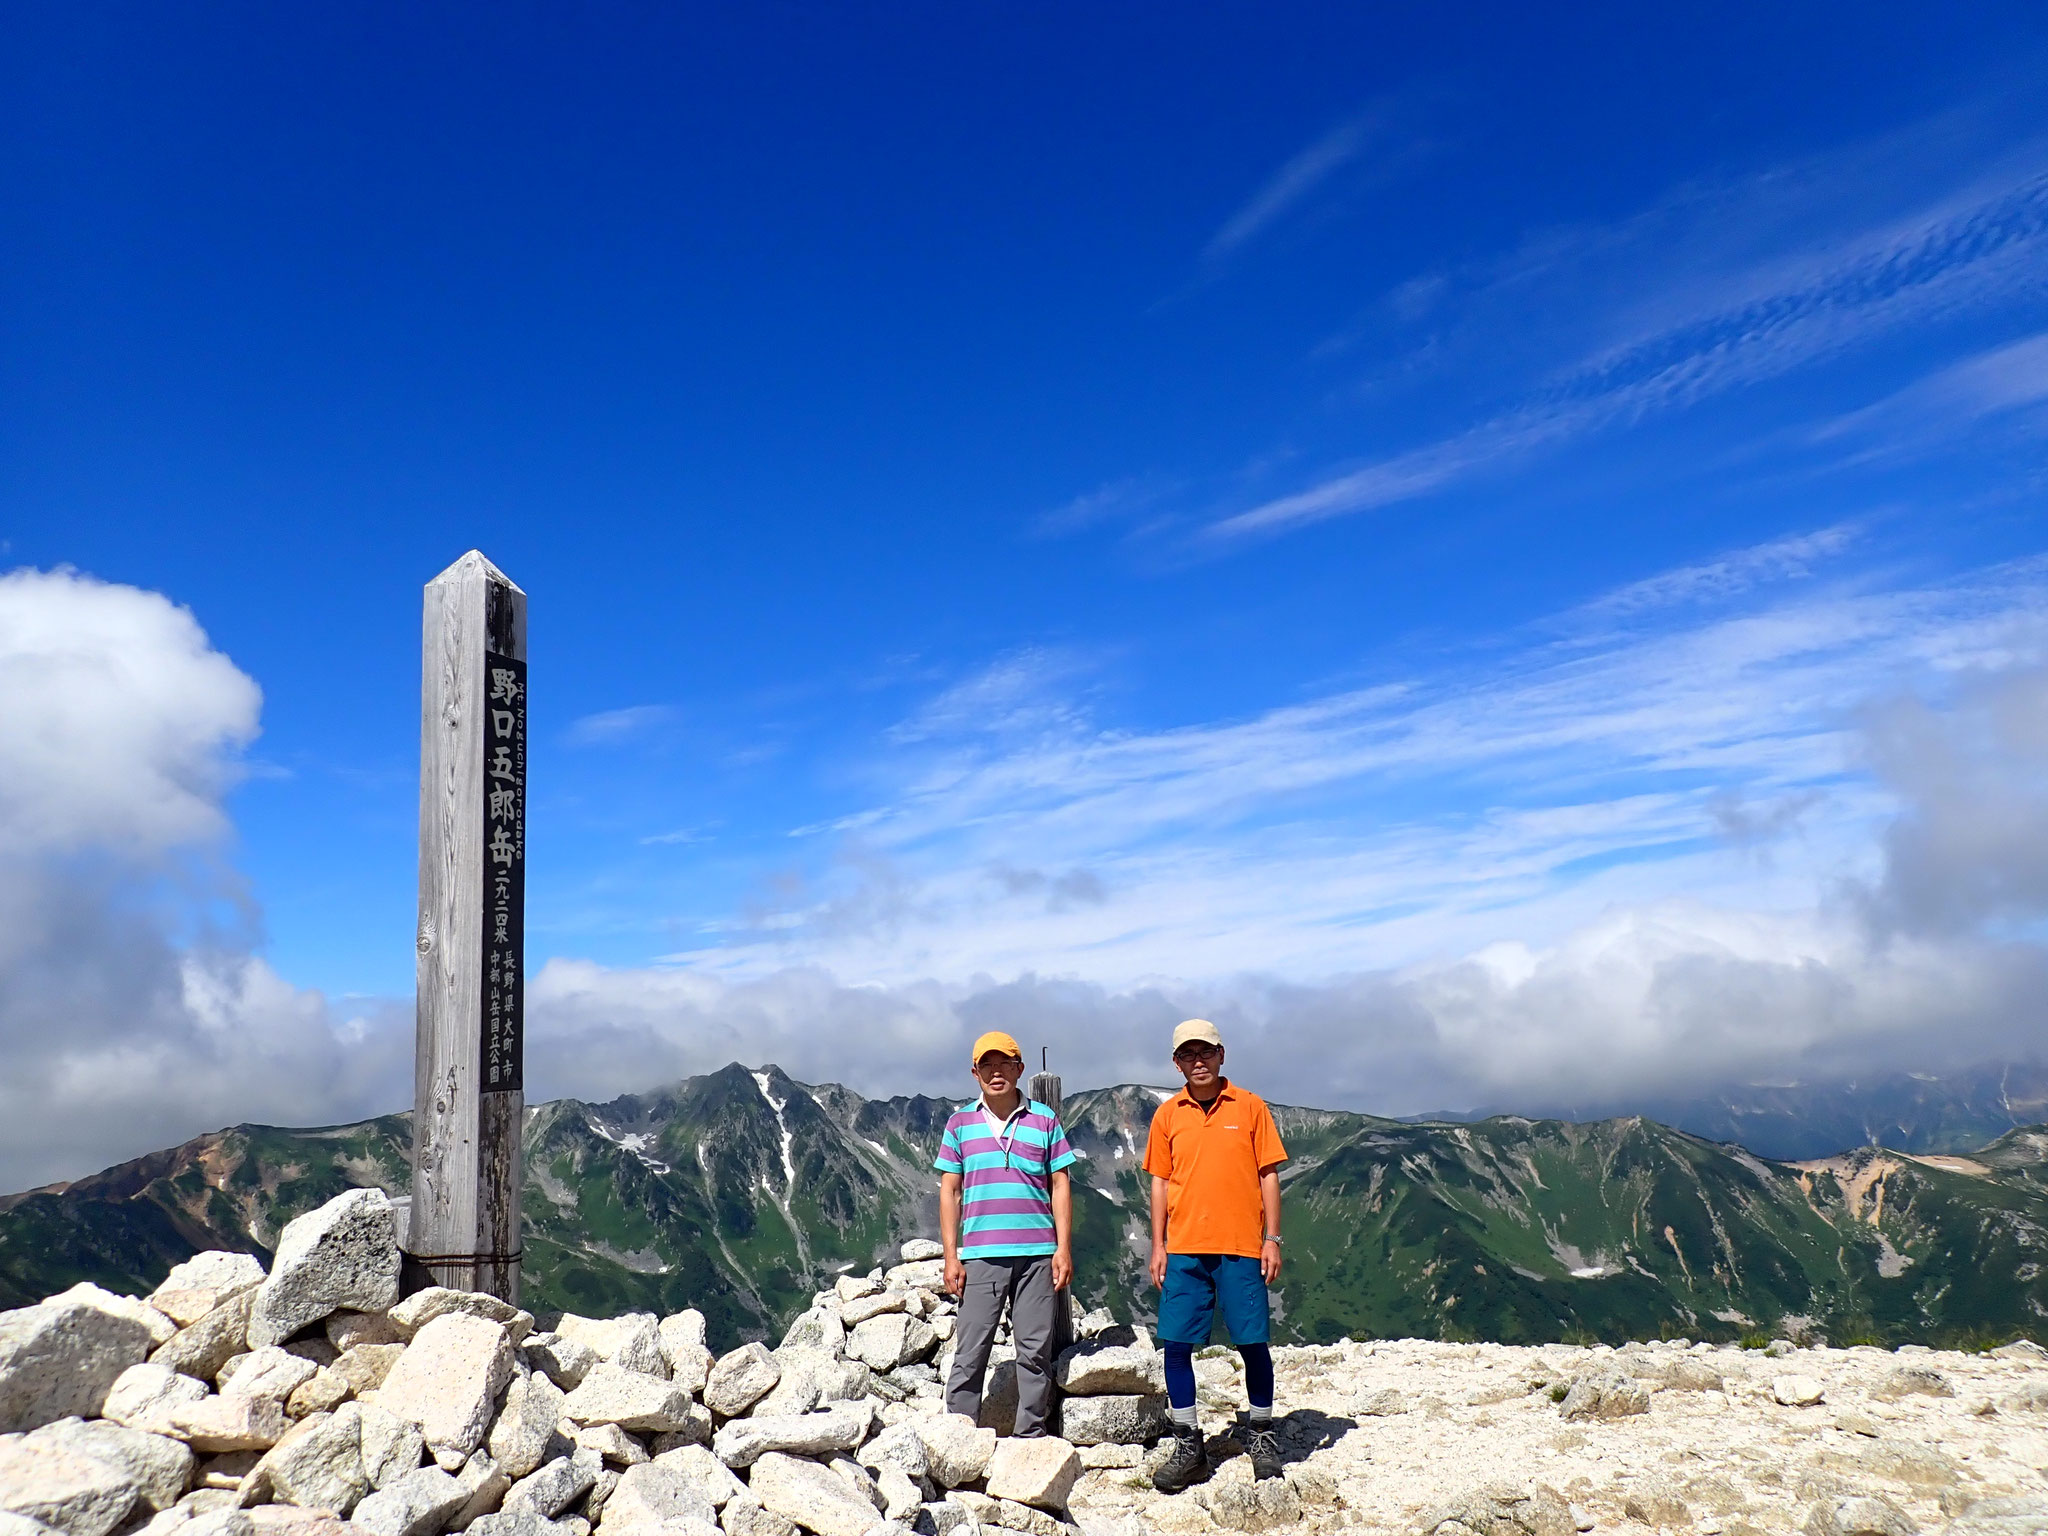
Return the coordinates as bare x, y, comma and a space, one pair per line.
314, 1401
1114, 1392
231, 1402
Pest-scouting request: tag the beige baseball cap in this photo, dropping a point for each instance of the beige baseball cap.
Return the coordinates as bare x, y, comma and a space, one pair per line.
1195, 1029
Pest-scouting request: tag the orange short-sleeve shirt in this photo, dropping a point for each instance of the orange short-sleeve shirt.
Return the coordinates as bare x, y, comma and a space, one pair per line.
1210, 1159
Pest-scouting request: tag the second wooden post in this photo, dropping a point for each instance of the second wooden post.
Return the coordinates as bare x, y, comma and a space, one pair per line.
1045, 1087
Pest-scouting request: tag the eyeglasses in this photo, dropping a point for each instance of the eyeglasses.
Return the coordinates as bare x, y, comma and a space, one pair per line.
1197, 1052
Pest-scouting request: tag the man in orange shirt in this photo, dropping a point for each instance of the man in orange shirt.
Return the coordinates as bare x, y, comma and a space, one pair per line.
1214, 1155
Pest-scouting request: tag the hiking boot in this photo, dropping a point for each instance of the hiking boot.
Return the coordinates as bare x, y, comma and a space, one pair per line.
1262, 1444
1188, 1463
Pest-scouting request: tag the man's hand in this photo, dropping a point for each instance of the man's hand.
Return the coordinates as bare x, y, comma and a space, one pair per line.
956, 1275
1269, 1261
1062, 1268
1158, 1266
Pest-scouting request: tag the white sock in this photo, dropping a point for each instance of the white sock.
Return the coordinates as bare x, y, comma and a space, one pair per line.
1184, 1417
1262, 1415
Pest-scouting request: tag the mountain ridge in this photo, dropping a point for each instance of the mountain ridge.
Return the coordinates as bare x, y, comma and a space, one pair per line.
741, 1191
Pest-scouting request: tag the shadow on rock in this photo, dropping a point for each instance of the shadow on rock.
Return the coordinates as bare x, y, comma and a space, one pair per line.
1301, 1433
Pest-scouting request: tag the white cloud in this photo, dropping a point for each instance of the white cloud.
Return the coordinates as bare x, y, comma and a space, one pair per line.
1539, 877
1713, 291
123, 726
1663, 997
1289, 185
128, 1021
611, 727
1769, 842
1650, 994
1730, 575
2000, 381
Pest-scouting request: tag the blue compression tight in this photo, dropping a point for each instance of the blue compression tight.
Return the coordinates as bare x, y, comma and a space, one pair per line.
1258, 1374
1180, 1374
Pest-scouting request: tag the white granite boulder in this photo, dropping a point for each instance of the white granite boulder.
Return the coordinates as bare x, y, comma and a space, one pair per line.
322, 1392
555, 1485
1119, 1362
957, 1448
901, 1447
613, 1445
349, 1330
60, 1358
392, 1446
268, 1372
1609, 1395
203, 1347
218, 1270
421, 1503
157, 1325
632, 1342
842, 1427
1122, 1420
317, 1465
213, 1425
422, 1307
712, 1477
801, 1387
819, 1330
156, 1466
611, 1394
564, 1360
342, 1256
62, 1489
448, 1380
860, 1309
1039, 1472
1797, 1391
893, 1339
811, 1495
741, 1379
654, 1497
143, 1395
681, 1337
526, 1425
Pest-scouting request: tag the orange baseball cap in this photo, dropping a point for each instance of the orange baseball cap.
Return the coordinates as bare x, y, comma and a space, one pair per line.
994, 1040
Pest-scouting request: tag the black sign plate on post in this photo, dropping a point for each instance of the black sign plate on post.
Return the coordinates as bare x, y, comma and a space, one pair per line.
503, 1038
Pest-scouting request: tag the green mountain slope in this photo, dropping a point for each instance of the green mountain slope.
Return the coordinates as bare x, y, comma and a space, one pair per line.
742, 1191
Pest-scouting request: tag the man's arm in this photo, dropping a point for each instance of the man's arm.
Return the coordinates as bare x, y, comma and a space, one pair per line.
1062, 1231
949, 1231
1269, 1200
1158, 1230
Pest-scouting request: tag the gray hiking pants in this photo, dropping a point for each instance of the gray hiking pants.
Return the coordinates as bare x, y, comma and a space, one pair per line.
1026, 1284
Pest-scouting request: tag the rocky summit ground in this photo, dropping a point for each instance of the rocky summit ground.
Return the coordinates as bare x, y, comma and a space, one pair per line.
310, 1398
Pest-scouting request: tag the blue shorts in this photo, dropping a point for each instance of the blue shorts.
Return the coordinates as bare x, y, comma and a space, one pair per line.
1197, 1284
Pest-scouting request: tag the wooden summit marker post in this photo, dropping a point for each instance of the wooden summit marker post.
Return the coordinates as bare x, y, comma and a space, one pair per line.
469, 1095
1045, 1087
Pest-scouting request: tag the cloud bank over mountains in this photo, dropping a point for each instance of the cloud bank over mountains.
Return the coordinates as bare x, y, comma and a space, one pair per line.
1776, 829
134, 1011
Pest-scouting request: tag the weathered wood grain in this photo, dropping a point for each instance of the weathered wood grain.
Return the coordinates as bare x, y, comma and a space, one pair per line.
466, 1158
1045, 1087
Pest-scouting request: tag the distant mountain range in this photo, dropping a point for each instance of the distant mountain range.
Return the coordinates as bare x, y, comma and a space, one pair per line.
1911, 1112
743, 1190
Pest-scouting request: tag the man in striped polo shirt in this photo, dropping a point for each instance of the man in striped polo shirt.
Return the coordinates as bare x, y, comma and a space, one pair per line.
1005, 1212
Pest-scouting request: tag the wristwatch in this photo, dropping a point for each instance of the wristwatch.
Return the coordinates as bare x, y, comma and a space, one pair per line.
1274, 1237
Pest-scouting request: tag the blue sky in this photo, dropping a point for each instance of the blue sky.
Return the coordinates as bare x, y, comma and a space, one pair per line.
1185, 509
